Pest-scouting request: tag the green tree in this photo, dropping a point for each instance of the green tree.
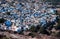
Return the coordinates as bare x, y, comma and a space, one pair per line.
32, 28
8, 13
37, 28
2, 20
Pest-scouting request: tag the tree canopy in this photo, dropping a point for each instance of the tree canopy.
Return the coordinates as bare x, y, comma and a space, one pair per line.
2, 20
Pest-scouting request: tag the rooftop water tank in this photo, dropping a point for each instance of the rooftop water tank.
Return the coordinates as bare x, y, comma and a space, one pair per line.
8, 23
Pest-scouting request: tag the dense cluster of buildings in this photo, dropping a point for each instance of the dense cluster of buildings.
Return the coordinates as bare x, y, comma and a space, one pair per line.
24, 14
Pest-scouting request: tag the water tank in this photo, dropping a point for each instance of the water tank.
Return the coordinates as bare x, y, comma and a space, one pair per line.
8, 23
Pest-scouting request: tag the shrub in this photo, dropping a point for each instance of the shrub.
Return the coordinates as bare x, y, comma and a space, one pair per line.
58, 26
44, 31
31, 34
57, 34
3, 37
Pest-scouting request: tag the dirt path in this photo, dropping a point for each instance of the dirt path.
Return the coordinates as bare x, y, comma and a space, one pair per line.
18, 36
